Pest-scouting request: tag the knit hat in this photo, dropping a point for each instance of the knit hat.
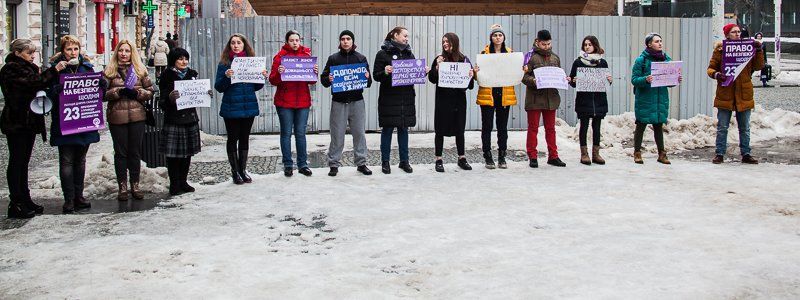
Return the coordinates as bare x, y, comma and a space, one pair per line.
544, 35
347, 32
649, 38
727, 28
496, 28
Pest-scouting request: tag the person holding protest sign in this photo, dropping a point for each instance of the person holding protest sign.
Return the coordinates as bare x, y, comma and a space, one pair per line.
180, 136
495, 101
72, 148
129, 87
20, 80
396, 107
734, 94
651, 103
347, 107
542, 103
590, 105
450, 114
239, 105
293, 103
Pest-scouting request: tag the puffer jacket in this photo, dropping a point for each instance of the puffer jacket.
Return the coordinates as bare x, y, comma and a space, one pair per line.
485, 97
123, 110
239, 100
159, 53
19, 81
290, 94
56, 138
739, 95
652, 103
396, 104
166, 84
536, 98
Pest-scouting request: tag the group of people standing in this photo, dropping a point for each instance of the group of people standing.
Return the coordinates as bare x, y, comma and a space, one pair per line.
127, 87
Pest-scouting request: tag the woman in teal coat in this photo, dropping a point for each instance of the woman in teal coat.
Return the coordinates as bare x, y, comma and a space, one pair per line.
652, 103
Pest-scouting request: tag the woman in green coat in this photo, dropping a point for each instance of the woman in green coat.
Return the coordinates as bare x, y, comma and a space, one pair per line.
652, 103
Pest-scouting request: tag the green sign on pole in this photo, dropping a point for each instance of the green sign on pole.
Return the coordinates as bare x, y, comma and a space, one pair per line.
148, 7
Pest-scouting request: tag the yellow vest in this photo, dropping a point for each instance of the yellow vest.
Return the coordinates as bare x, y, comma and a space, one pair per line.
485, 93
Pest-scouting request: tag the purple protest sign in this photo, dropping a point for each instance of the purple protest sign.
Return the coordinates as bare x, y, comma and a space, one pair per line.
735, 56
298, 68
408, 72
80, 103
132, 78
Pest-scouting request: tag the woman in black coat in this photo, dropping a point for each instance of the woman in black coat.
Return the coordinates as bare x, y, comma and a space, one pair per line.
180, 136
450, 114
590, 105
20, 80
396, 108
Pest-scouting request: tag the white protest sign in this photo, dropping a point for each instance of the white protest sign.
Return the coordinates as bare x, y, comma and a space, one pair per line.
500, 69
193, 93
454, 75
248, 69
592, 80
550, 78
665, 73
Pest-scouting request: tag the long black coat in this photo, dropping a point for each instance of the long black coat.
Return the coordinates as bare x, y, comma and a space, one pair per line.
171, 113
589, 104
20, 80
396, 105
450, 114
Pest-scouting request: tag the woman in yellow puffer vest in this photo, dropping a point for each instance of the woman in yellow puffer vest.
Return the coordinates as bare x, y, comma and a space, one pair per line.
495, 101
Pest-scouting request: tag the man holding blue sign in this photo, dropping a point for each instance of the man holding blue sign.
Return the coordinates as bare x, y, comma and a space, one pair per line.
348, 72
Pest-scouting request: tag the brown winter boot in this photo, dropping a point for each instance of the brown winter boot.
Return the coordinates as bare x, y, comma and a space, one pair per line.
596, 158
662, 157
122, 194
637, 157
135, 192
585, 156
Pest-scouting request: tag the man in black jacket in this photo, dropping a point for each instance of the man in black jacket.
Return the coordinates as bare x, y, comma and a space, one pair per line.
347, 107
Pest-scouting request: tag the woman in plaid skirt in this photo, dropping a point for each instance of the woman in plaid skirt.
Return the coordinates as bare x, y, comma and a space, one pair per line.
180, 136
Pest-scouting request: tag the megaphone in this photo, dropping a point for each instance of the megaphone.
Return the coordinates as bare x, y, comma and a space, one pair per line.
41, 104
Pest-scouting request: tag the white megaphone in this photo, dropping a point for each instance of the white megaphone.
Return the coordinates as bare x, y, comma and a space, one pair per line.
41, 104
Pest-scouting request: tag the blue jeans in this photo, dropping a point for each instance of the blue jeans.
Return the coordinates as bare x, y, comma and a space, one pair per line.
724, 121
386, 143
293, 119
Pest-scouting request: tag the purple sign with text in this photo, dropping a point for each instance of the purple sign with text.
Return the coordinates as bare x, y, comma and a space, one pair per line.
408, 72
80, 103
735, 56
298, 68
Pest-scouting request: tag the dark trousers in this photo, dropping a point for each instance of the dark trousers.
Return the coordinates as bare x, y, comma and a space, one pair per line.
583, 131
20, 148
238, 133
658, 134
439, 140
127, 140
487, 118
72, 170
178, 169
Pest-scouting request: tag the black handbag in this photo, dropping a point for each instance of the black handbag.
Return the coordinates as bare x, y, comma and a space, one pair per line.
151, 62
150, 117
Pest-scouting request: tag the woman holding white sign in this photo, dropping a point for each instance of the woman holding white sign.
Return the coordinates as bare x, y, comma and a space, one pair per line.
20, 80
495, 102
590, 104
72, 148
180, 136
450, 113
396, 107
239, 105
293, 103
652, 103
129, 87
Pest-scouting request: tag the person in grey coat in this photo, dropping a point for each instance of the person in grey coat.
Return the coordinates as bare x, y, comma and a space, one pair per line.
347, 108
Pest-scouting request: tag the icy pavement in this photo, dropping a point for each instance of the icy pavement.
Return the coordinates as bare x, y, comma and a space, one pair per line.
689, 230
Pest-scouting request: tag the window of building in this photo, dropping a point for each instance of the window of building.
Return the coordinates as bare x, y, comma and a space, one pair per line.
11, 24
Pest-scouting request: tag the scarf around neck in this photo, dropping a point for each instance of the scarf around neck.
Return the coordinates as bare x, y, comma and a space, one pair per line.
592, 59
656, 55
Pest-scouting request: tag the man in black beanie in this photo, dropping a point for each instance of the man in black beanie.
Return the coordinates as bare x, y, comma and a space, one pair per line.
347, 108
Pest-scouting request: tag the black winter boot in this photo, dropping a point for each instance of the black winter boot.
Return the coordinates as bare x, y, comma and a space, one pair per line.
501, 159
18, 210
243, 166
487, 155
234, 162
385, 168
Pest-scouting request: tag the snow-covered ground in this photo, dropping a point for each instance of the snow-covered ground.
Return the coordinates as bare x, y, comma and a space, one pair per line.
689, 230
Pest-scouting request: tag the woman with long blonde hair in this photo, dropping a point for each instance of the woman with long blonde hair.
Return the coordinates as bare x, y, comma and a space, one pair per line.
128, 88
